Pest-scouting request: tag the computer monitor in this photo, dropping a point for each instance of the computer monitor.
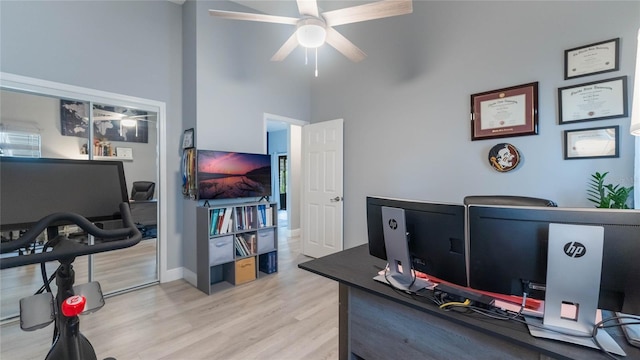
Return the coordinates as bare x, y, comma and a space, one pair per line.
31, 189
508, 248
435, 236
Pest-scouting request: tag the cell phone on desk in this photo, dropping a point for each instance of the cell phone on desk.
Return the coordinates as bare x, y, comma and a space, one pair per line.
631, 331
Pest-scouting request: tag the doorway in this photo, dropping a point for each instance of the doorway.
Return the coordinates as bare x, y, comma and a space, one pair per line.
284, 140
116, 272
282, 181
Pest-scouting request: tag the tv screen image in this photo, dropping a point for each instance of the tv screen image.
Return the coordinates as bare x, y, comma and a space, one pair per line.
229, 175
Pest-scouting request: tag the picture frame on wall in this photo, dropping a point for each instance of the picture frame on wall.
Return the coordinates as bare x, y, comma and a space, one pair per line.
598, 142
506, 112
188, 139
597, 100
596, 58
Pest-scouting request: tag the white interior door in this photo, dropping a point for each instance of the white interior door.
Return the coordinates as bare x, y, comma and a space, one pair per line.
322, 206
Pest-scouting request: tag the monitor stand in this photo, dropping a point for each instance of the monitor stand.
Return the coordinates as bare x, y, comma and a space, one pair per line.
398, 273
574, 266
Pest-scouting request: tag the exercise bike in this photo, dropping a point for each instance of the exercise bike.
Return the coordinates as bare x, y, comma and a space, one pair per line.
40, 310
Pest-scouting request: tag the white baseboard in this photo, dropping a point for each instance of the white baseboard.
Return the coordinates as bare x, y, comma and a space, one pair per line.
172, 275
190, 277
295, 232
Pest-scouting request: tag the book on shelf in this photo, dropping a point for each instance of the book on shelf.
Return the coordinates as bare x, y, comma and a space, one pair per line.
252, 243
268, 262
269, 216
240, 249
262, 216
214, 221
240, 218
224, 227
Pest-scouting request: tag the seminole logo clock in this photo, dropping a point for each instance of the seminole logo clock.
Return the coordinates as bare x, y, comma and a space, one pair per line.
504, 157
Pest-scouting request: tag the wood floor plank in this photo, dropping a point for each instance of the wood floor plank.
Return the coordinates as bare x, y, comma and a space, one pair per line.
291, 314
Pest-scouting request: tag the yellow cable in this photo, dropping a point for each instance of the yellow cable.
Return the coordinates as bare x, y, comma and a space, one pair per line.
455, 303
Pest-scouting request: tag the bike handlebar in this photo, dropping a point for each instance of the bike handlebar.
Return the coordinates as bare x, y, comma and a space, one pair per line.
68, 249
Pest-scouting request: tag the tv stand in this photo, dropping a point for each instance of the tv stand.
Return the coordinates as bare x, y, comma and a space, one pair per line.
236, 243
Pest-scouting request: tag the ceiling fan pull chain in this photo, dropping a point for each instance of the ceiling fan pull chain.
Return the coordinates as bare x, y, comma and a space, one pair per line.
316, 62
306, 58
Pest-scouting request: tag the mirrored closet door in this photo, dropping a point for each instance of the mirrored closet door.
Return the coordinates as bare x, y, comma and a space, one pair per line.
51, 126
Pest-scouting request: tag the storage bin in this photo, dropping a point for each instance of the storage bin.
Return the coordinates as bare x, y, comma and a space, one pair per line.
221, 250
245, 270
266, 241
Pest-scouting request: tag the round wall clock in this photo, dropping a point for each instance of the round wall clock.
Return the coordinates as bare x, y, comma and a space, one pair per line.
504, 157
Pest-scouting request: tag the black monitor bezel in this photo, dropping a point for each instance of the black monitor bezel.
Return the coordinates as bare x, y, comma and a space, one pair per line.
123, 196
616, 293
455, 263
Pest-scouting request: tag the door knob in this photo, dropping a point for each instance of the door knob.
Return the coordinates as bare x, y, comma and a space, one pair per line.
336, 199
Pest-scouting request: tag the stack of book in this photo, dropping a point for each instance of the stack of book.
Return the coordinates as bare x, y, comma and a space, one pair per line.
269, 263
221, 221
245, 244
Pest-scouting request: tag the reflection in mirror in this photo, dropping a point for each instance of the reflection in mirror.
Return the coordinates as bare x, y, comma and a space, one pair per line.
37, 125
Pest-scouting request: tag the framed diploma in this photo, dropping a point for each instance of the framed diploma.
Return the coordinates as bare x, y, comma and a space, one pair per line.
598, 100
592, 59
507, 112
600, 142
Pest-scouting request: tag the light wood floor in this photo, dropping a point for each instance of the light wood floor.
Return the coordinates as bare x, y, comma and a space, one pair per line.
292, 314
115, 270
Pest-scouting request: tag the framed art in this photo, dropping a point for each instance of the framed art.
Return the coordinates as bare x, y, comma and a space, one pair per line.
188, 139
592, 59
108, 122
598, 100
507, 112
600, 142
124, 152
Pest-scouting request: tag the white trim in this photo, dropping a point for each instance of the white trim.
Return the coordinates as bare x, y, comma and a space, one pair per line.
294, 233
190, 277
33, 85
174, 274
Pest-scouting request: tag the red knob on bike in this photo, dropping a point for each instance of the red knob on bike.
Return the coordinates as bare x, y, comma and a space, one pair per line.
73, 305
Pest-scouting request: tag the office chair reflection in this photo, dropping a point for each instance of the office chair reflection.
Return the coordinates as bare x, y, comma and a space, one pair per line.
142, 190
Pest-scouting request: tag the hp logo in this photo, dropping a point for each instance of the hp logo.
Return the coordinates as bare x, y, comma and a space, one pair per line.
393, 224
574, 249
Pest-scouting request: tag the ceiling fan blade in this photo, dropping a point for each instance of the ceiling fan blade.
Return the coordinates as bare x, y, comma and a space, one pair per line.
371, 11
343, 45
308, 7
286, 48
253, 17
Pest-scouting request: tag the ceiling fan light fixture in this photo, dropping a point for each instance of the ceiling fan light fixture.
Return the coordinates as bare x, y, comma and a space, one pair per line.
311, 32
128, 122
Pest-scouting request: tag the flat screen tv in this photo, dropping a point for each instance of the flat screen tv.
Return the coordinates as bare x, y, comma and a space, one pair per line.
230, 175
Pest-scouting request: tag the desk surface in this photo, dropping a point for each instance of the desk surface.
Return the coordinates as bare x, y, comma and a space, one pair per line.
355, 268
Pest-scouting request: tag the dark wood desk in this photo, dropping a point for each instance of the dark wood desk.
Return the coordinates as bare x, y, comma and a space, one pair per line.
377, 322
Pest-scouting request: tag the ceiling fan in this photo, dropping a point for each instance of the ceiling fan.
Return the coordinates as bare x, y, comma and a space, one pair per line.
313, 28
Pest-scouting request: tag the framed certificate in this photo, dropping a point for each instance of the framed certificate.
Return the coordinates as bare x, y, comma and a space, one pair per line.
598, 100
592, 59
600, 142
507, 112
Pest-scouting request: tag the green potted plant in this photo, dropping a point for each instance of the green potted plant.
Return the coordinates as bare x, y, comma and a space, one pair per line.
607, 195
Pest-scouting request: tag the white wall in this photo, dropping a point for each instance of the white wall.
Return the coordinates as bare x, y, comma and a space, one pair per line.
72, 42
406, 107
235, 84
